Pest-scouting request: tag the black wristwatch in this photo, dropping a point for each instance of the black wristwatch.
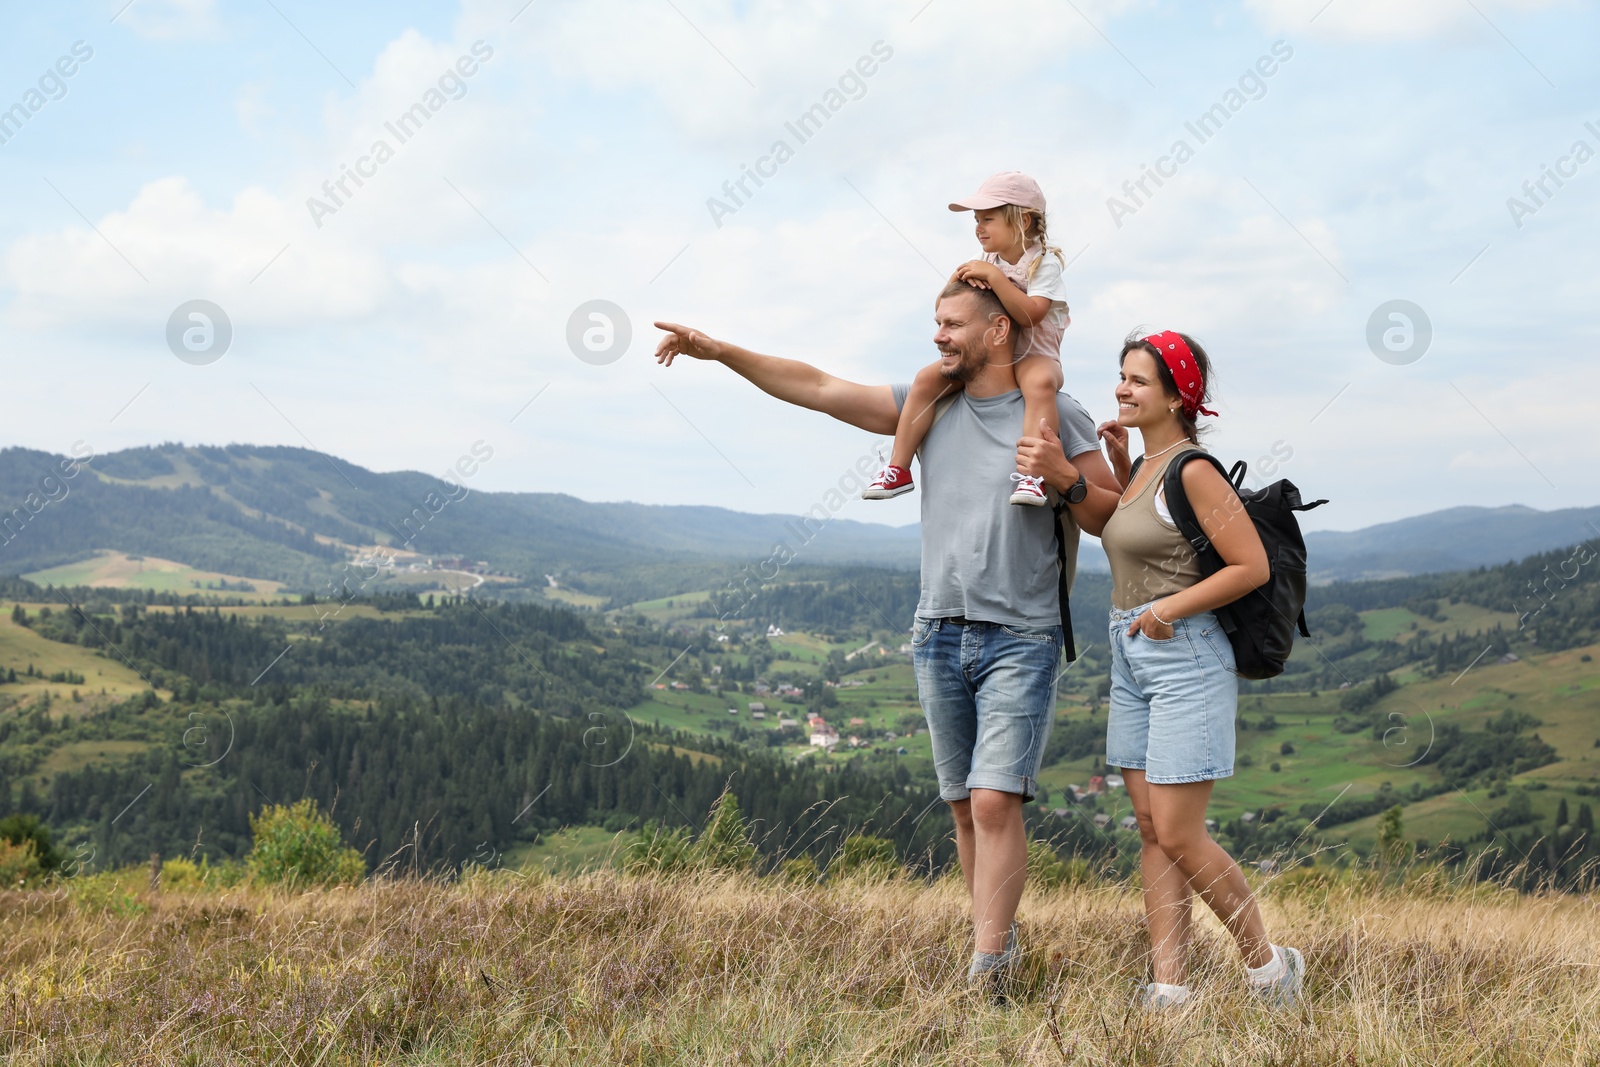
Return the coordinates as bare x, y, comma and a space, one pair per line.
1079, 492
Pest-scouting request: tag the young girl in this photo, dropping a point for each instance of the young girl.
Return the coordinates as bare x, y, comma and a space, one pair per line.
1174, 695
1025, 273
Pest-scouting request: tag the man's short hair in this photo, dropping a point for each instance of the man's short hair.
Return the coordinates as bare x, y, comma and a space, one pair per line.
988, 303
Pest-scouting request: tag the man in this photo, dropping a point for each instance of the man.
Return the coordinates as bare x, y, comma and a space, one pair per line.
987, 636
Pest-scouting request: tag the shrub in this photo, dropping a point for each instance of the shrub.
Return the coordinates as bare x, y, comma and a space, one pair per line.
183, 873
864, 856
1048, 870
296, 845
658, 849
801, 870
19, 865
724, 844
21, 830
108, 892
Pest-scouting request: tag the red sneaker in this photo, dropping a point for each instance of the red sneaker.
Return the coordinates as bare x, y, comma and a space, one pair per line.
1029, 490
891, 482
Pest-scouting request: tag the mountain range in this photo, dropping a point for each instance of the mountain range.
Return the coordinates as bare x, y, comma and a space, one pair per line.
295, 515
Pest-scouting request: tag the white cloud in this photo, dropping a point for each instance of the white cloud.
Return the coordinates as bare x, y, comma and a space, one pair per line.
167, 247
405, 327
1384, 20
168, 20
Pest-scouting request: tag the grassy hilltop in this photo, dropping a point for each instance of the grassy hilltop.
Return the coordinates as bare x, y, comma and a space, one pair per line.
711, 969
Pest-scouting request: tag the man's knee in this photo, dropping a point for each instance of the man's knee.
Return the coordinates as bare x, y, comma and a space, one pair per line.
961, 812
994, 810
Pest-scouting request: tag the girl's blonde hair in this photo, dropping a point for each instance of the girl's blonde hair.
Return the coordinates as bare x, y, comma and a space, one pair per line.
1031, 224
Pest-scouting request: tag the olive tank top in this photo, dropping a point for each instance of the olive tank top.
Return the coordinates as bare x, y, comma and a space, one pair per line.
1149, 558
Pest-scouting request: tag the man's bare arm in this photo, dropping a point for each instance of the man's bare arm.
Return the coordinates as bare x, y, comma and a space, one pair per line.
869, 407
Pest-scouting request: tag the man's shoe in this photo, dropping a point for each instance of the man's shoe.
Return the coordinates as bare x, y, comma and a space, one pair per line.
891, 482
1283, 993
1029, 490
991, 973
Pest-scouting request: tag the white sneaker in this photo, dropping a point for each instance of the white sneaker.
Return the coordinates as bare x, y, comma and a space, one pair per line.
1284, 992
1156, 997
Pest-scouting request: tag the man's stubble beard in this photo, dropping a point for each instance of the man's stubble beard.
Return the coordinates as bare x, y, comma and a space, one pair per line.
967, 368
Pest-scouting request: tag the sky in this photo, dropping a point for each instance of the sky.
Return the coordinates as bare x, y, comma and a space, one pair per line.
1357, 153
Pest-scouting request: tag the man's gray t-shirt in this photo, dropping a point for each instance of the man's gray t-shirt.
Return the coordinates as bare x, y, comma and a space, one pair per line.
983, 556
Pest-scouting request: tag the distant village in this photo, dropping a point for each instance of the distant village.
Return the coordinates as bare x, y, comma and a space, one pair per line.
385, 560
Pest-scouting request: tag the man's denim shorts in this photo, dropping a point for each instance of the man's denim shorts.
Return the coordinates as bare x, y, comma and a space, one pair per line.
1173, 703
989, 693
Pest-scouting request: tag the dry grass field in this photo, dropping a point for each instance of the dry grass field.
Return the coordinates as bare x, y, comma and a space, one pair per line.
605, 968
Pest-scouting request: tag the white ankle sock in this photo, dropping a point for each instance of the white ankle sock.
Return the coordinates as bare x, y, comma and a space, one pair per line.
1176, 993
1268, 972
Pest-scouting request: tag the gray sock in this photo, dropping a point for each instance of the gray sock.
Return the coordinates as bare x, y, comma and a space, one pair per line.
985, 962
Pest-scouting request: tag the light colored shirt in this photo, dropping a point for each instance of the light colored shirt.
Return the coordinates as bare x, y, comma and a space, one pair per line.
983, 556
1043, 338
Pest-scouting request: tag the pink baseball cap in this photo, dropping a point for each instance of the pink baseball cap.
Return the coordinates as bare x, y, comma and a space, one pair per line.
1007, 187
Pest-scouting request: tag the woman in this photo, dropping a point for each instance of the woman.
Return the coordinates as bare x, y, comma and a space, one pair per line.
1174, 694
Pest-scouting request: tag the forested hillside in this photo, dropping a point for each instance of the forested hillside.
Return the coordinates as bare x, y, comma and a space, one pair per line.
133, 721
440, 730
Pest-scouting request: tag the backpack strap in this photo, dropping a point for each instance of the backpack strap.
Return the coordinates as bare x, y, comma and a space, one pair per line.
1183, 515
1069, 647
1188, 522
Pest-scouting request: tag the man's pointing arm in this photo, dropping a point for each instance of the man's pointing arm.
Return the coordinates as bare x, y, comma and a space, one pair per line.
869, 407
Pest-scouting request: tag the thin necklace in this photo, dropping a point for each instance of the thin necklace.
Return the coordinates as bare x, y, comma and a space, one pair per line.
1145, 459
1181, 441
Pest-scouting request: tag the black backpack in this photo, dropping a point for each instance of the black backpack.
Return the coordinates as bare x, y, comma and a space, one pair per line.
1261, 624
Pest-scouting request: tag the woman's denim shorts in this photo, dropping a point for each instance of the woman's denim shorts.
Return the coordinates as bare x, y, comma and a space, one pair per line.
1173, 703
989, 694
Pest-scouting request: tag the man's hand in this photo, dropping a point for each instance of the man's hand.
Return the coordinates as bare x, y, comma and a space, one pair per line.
1043, 457
684, 341
979, 274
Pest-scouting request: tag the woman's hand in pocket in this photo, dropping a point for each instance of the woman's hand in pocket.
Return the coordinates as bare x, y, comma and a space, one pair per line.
1151, 627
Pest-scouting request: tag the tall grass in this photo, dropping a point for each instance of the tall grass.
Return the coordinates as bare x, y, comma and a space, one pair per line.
714, 968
